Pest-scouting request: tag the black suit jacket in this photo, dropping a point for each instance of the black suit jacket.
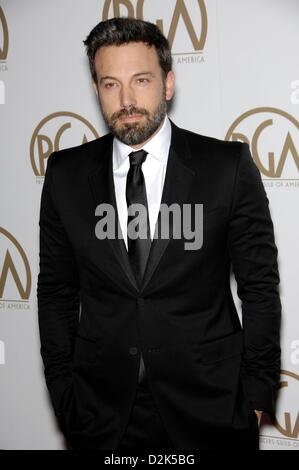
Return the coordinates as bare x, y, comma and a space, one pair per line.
207, 372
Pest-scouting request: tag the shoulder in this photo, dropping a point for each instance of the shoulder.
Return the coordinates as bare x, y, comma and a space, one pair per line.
208, 142
81, 157
215, 151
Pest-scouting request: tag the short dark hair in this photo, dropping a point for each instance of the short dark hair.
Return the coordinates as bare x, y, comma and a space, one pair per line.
117, 31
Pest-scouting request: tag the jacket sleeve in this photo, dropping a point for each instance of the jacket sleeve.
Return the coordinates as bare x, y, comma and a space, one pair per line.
57, 293
253, 255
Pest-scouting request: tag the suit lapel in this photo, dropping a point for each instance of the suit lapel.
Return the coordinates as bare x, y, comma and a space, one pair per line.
177, 184
102, 186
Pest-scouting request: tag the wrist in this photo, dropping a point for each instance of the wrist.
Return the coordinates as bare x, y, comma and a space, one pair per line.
259, 415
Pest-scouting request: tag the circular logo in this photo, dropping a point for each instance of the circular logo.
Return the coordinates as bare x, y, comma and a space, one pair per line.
55, 132
183, 22
4, 37
287, 416
15, 275
273, 137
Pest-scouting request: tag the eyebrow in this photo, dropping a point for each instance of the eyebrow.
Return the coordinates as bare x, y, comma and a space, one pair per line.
108, 77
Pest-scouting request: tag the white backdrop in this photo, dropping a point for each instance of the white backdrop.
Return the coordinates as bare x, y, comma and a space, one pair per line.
236, 63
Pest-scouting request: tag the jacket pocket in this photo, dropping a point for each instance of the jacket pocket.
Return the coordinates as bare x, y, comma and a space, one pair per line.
216, 376
85, 350
223, 348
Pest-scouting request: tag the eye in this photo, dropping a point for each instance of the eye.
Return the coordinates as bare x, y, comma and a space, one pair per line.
109, 85
142, 80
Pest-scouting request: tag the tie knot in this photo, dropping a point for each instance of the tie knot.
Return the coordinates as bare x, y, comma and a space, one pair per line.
138, 157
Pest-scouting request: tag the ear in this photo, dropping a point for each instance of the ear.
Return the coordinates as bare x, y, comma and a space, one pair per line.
170, 84
95, 87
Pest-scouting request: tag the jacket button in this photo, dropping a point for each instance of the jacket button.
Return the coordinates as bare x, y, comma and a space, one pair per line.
133, 351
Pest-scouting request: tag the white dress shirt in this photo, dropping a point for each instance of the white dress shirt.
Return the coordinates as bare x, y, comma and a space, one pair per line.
154, 169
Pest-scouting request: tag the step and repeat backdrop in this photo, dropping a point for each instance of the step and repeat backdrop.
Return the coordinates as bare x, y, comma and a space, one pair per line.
237, 69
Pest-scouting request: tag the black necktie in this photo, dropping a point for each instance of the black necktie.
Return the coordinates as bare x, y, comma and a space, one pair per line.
138, 249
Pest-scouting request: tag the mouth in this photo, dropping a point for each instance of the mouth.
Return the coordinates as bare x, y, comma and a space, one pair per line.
133, 117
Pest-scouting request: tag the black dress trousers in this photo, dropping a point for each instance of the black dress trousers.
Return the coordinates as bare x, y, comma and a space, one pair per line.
145, 430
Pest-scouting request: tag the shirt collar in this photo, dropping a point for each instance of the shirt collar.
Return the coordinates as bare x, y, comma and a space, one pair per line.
158, 146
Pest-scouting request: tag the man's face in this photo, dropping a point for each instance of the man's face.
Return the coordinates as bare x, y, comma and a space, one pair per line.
132, 91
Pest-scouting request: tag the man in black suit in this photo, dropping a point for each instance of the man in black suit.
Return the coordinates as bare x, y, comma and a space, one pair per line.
140, 338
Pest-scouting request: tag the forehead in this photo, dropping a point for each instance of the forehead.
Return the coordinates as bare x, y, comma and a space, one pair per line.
129, 57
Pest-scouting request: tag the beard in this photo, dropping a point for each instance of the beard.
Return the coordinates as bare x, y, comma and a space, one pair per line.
135, 133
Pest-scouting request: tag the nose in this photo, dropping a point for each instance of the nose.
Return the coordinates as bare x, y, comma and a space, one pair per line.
127, 97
